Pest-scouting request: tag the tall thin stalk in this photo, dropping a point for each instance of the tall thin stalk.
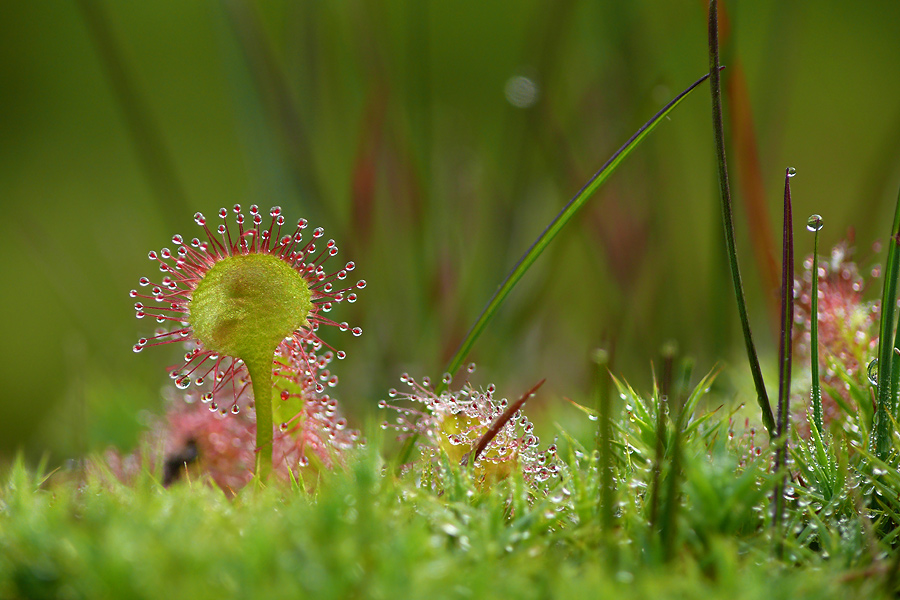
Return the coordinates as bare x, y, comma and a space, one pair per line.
728, 220
784, 352
814, 224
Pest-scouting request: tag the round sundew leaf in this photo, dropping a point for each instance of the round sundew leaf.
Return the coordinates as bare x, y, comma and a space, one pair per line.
246, 305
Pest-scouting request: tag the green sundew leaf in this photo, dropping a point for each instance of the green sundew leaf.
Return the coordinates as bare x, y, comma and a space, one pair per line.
555, 226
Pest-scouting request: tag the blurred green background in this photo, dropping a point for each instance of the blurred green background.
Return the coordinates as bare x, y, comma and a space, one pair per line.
433, 141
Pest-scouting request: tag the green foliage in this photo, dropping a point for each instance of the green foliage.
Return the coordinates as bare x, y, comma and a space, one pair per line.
366, 534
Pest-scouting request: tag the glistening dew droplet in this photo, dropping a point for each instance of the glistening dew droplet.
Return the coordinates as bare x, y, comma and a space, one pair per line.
872, 371
814, 223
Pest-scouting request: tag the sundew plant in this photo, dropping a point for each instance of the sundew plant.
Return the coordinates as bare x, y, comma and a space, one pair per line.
247, 306
251, 481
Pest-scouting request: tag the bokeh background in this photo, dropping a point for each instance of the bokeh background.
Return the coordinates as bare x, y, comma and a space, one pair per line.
433, 141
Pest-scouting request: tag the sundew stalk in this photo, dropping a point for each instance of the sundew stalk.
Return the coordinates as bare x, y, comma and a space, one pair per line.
814, 224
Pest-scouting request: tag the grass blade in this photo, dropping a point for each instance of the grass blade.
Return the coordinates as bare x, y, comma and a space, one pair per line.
555, 226
728, 220
784, 366
885, 405
541, 243
746, 153
814, 224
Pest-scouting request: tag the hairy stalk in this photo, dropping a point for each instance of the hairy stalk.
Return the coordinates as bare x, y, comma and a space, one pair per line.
885, 406
662, 409
659, 455
728, 221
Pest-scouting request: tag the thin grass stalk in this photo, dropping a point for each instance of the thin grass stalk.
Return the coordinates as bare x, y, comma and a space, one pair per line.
784, 353
895, 363
885, 404
728, 220
555, 226
544, 239
497, 425
746, 153
814, 224
153, 155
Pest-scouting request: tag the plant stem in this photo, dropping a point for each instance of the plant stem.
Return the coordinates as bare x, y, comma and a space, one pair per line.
818, 421
885, 404
728, 221
261, 378
784, 367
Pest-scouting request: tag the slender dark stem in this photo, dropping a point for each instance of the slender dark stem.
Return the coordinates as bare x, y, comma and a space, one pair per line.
728, 220
784, 370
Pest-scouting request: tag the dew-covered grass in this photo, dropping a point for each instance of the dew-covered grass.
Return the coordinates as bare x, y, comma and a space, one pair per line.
690, 517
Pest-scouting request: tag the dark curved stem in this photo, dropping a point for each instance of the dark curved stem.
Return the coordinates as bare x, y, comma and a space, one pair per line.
728, 220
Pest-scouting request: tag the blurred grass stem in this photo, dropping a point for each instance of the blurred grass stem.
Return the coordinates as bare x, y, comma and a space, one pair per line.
153, 156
